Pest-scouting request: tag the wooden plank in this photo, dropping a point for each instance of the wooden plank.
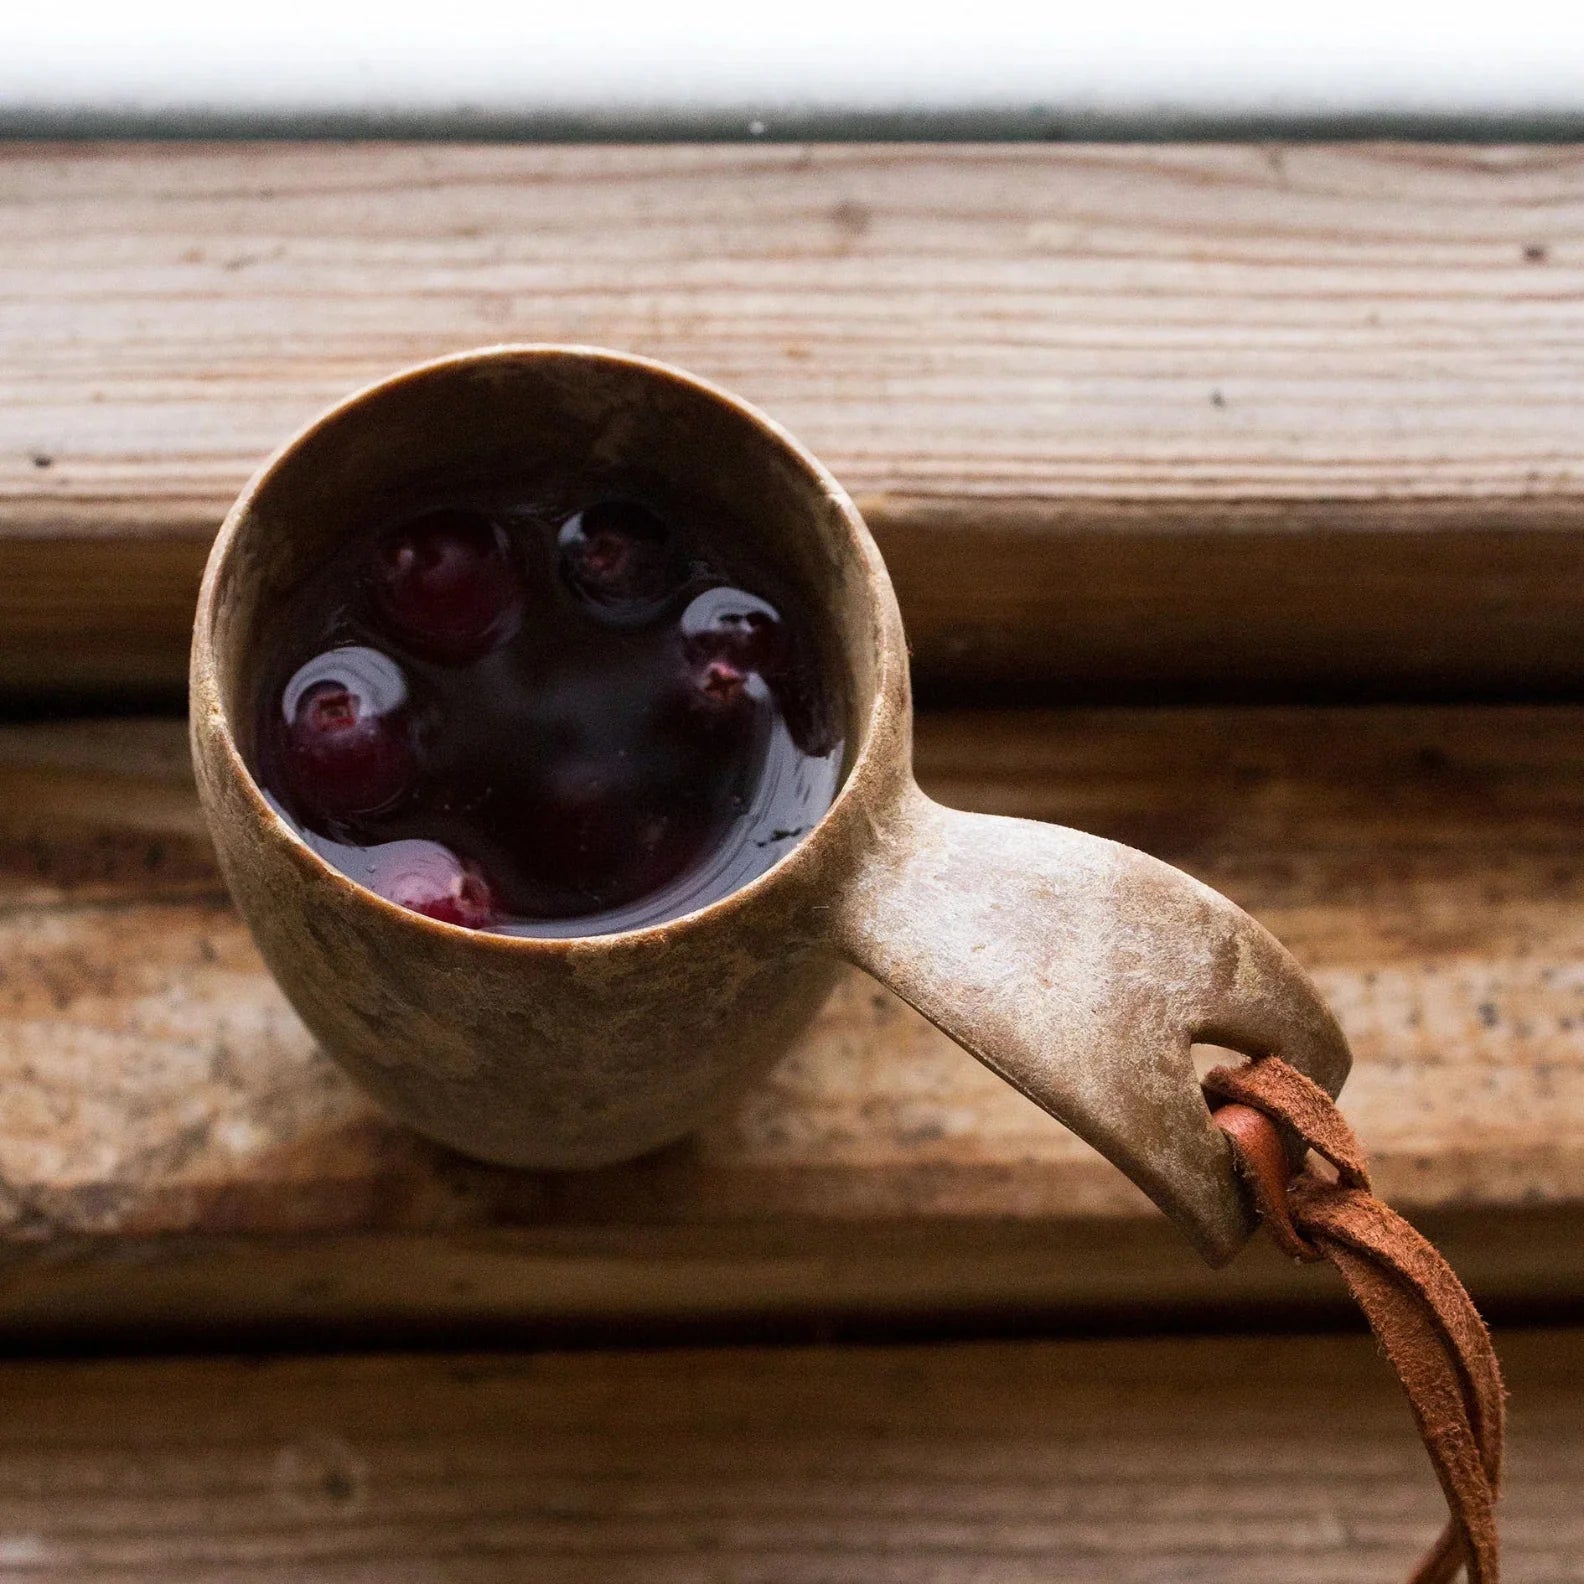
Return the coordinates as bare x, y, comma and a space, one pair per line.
1266, 1461
1235, 418
1426, 863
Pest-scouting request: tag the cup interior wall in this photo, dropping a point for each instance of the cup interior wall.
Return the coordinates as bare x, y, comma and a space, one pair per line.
612, 425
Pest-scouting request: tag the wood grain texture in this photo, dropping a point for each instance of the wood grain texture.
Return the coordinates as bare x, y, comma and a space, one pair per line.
1285, 1461
1240, 418
1426, 864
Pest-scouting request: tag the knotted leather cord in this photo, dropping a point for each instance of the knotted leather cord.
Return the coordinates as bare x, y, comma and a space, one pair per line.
1418, 1309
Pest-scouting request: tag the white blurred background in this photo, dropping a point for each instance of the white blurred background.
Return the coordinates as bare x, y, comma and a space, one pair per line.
756, 69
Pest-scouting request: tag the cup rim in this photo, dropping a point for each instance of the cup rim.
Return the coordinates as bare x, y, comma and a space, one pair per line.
890, 690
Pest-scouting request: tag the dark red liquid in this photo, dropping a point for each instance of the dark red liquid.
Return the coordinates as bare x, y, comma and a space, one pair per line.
556, 722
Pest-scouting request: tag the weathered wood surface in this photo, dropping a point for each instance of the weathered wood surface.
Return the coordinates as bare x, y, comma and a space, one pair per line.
1427, 864
1285, 1461
1232, 417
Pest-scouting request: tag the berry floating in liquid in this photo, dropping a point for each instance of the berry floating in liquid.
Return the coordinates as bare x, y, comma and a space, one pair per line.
430, 879
620, 559
446, 586
347, 749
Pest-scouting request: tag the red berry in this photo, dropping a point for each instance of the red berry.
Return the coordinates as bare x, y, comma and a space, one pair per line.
620, 558
430, 879
719, 698
721, 683
348, 749
445, 583
727, 624
731, 645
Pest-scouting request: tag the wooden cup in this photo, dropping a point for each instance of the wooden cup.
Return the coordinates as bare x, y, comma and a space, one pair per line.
1080, 970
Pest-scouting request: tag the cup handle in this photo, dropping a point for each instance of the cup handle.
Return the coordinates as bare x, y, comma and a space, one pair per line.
1083, 971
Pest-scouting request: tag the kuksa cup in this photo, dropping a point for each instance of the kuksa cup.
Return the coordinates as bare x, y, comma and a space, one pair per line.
1080, 970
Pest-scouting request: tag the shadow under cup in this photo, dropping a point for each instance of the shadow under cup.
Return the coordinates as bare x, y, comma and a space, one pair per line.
566, 1051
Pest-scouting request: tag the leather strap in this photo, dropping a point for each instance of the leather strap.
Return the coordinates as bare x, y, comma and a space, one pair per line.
1424, 1320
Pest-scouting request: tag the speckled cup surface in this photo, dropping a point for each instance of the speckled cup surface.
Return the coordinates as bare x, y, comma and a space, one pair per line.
1080, 970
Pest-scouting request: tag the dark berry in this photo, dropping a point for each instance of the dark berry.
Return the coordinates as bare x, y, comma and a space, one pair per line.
446, 585
731, 647
726, 633
718, 695
588, 821
721, 684
727, 624
430, 879
620, 558
348, 747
